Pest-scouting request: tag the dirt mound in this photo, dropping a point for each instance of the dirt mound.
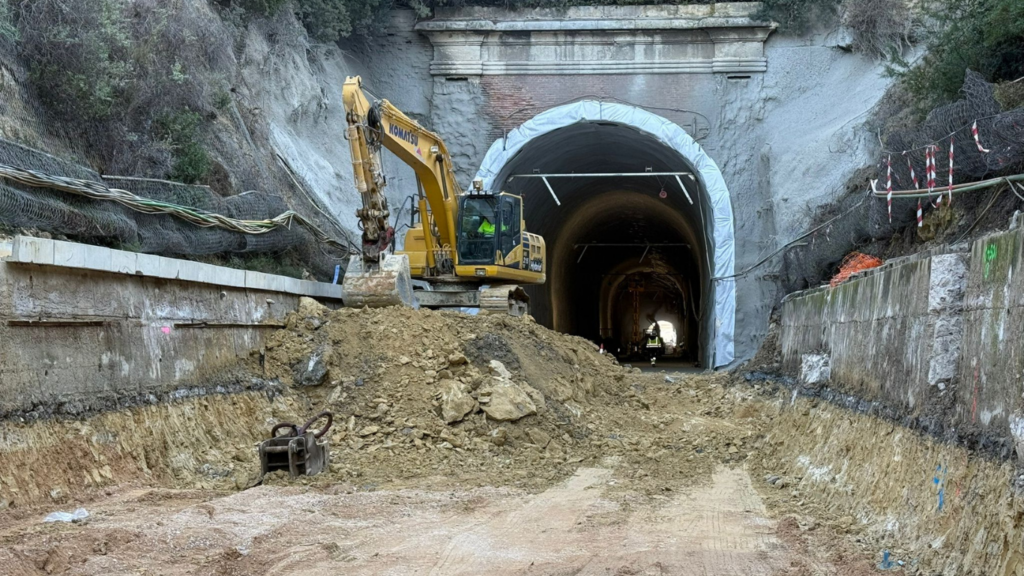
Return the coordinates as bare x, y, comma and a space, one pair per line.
487, 400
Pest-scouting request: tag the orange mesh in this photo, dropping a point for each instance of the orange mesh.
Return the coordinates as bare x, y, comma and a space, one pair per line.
853, 263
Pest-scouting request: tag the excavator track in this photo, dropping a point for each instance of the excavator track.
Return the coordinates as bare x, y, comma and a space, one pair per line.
511, 300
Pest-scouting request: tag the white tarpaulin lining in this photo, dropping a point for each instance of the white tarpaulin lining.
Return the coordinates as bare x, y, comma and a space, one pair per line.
672, 136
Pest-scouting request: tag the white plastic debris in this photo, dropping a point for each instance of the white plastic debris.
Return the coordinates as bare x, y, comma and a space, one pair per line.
80, 514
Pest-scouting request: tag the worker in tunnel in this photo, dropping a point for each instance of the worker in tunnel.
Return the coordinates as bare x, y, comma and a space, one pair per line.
654, 346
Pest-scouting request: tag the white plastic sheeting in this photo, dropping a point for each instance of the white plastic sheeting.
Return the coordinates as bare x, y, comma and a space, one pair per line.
671, 135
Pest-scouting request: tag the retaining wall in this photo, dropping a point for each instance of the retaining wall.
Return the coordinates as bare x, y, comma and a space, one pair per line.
937, 338
86, 328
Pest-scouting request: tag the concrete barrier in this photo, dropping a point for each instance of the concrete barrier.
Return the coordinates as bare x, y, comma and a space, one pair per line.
86, 328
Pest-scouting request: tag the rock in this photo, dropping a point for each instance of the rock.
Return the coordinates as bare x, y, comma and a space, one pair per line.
403, 360
335, 396
670, 380
498, 436
314, 371
538, 437
310, 308
499, 370
445, 374
535, 395
455, 401
505, 402
451, 439
815, 369
457, 359
369, 430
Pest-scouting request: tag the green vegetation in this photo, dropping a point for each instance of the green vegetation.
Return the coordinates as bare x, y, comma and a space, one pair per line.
180, 131
284, 264
331, 20
130, 78
986, 36
79, 62
259, 7
222, 100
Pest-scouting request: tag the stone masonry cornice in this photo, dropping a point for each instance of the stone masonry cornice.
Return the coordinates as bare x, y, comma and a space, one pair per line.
715, 38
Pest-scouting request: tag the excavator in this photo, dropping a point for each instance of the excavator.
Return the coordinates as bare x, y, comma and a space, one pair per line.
462, 249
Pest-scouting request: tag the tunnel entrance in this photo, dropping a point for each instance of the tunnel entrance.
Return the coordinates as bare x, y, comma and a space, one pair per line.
627, 249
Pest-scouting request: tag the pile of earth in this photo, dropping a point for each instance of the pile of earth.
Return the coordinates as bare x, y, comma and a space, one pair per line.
429, 399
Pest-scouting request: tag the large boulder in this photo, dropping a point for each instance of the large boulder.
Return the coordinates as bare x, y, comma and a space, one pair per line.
456, 403
313, 371
504, 401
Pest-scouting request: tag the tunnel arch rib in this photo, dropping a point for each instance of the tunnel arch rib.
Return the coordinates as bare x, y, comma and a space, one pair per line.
671, 135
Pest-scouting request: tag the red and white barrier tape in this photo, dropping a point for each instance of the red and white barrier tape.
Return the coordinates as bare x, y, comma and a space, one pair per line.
977, 140
929, 162
888, 185
913, 177
950, 190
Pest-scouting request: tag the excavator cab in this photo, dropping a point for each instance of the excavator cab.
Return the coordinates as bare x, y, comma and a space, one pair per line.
490, 228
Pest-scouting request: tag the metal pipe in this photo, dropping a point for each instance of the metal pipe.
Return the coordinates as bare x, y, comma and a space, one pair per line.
550, 189
600, 175
680, 180
965, 187
603, 244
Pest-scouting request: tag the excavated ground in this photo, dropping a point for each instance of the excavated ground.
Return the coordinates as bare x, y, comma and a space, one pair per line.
555, 461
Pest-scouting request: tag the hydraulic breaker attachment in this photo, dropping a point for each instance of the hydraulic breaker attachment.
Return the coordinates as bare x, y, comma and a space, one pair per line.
301, 451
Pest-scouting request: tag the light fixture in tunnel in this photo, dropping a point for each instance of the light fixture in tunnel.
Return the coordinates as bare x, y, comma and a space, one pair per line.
646, 245
663, 194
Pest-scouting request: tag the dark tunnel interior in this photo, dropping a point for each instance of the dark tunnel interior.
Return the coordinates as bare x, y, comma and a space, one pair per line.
624, 251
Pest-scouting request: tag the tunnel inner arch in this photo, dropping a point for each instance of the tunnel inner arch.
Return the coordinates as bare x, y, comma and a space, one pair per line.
624, 251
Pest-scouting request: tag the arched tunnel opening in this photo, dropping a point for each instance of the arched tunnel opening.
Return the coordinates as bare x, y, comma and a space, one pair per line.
627, 250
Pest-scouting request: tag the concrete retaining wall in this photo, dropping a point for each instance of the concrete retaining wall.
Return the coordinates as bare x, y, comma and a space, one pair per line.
938, 338
82, 328
991, 368
888, 335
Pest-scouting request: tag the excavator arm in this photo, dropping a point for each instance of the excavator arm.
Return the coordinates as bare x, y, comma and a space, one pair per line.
372, 125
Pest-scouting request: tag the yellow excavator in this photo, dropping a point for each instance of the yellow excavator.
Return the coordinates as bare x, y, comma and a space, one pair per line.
465, 249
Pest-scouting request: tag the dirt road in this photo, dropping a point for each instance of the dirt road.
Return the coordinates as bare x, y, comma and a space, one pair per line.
576, 527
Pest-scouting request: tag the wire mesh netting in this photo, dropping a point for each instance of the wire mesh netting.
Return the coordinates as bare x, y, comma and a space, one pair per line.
109, 223
1000, 133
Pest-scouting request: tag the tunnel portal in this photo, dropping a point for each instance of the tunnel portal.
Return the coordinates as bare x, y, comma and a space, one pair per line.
625, 251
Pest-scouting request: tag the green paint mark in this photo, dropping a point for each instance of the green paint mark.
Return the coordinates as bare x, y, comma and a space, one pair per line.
991, 254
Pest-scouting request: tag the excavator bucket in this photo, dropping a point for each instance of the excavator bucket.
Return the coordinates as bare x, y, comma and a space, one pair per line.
378, 286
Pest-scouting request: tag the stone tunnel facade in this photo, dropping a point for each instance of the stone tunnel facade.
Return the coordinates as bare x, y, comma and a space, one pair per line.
741, 91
